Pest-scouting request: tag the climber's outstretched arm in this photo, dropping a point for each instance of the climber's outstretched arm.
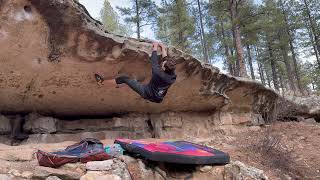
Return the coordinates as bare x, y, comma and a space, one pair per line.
155, 58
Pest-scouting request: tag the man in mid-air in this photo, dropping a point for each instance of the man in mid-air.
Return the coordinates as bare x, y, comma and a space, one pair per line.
163, 76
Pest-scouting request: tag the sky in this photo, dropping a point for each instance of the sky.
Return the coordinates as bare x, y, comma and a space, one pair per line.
94, 7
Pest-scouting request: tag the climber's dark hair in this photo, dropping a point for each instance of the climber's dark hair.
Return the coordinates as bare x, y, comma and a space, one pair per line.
170, 64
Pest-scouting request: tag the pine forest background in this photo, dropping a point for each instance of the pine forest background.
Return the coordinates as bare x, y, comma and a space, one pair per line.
276, 42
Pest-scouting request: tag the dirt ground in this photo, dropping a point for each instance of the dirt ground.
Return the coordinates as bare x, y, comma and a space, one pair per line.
282, 149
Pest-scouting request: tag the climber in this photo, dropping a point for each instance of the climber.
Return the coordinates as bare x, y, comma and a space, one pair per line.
162, 77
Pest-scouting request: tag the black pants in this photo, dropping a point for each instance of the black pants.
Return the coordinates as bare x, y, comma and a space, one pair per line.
137, 87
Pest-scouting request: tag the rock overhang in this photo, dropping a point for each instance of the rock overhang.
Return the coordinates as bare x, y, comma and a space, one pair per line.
53, 48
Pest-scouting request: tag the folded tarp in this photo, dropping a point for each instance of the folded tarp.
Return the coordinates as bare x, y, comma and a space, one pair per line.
84, 151
179, 152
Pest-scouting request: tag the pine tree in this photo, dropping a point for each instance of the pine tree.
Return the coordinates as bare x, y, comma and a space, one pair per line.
110, 20
203, 38
109, 17
234, 6
312, 23
162, 28
226, 43
310, 13
181, 25
250, 27
175, 24
268, 38
221, 34
142, 13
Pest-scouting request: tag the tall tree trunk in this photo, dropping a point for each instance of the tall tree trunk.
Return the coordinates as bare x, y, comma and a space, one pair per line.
312, 25
288, 68
233, 63
260, 69
268, 77
263, 81
181, 39
281, 82
314, 46
295, 64
203, 38
241, 67
226, 50
317, 55
273, 68
138, 19
294, 58
312, 84
292, 49
250, 62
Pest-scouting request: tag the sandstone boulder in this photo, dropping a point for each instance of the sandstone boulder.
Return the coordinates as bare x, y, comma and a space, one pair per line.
50, 50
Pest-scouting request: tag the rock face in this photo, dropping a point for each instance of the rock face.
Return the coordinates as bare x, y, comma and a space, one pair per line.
5, 126
310, 104
42, 125
50, 50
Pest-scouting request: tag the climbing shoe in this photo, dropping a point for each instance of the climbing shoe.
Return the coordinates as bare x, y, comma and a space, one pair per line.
98, 78
121, 79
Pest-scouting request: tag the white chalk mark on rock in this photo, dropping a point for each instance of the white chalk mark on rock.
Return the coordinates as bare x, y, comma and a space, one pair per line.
3, 35
22, 16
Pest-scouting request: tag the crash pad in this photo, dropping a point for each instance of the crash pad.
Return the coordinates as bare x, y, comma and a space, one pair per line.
179, 152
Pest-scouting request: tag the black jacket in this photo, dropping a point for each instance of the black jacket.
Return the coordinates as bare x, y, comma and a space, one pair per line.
160, 81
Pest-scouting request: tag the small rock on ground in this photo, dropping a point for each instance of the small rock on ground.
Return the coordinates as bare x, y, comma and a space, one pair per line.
205, 168
6, 177
238, 170
27, 174
99, 165
99, 175
310, 121
120, 168
44, 172
53, 178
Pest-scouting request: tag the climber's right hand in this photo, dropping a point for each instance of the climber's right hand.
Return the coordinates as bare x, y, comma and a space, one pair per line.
155, 46
164, 50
